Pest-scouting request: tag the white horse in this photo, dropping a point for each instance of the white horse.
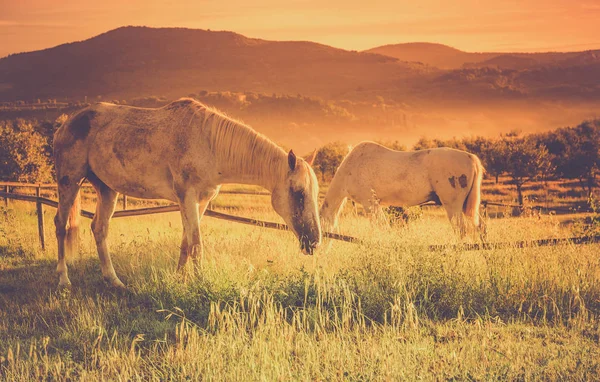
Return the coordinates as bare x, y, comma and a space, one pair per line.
181, 152
374, 175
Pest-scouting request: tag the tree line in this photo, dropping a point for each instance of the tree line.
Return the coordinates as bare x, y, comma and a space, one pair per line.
564, 153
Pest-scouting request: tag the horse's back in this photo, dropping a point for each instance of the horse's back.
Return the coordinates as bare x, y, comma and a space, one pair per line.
405, 177
120, 120
377, 158
373, 171
130, 149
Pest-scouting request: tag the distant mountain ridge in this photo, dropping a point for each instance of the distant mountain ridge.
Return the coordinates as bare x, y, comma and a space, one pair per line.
438, 55
129, 62
446, 57
173, 61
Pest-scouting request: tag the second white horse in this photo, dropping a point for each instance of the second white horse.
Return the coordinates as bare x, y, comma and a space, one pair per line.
374, 175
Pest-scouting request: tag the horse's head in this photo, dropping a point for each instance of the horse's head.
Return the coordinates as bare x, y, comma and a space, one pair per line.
295, 198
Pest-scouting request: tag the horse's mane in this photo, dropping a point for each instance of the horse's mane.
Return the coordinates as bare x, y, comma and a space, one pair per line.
239, 147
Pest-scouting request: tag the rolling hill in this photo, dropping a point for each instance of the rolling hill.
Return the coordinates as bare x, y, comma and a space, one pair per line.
445, 57
172, 62
438, 55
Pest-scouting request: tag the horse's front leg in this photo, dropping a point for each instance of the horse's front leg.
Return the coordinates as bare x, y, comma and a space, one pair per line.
191, 245
183, 252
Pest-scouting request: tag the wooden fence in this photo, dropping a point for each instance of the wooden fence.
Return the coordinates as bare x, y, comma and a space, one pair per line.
484, 203
41, 201
6, 186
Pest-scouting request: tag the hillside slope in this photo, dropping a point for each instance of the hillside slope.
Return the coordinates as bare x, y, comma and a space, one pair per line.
173, 61
445, 57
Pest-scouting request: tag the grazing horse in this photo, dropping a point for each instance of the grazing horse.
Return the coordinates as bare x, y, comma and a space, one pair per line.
374, 175
181, 152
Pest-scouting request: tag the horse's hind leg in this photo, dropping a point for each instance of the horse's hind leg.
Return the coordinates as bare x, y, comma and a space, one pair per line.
371, 206
107, 199
456, 217
482, 229
66, 221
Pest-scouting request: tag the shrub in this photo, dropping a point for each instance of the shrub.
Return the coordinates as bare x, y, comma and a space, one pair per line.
23, 153
329, 158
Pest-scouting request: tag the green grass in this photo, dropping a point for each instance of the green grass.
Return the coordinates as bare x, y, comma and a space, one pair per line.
259, 310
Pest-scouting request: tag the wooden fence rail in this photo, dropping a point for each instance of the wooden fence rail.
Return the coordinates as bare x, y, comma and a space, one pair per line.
486, 203
6, 186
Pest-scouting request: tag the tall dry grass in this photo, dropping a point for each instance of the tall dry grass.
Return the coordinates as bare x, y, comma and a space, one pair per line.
259, 310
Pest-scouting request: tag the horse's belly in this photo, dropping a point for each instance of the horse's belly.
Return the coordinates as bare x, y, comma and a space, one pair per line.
144, 182
405, 193
141, 188
145, 191
403, 199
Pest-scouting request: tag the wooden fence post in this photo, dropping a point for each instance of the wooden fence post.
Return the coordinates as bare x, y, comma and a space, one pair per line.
7, 190
124, 201
40, 215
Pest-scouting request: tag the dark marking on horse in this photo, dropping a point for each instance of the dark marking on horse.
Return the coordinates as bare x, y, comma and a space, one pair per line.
182, 143
187, 172
119, 156
297, 201
304, 230
326, 204
433, 197
462, 180
452, 181
64, 181
80, 126
185, 176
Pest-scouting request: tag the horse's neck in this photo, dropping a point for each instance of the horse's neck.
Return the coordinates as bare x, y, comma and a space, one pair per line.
251, 159
267, 178
332, 204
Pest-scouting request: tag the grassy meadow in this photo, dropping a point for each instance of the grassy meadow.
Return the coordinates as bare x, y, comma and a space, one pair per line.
384, 309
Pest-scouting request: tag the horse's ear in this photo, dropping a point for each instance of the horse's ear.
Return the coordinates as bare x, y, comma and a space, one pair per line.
292, 160
311, 158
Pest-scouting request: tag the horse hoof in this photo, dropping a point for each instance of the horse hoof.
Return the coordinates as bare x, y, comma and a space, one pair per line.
116, 283
64, 285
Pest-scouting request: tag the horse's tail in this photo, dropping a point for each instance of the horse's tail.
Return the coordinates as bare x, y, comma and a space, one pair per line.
471, 205
72, 237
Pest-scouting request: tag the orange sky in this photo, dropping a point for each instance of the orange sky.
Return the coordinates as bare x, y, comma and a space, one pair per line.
472, 25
